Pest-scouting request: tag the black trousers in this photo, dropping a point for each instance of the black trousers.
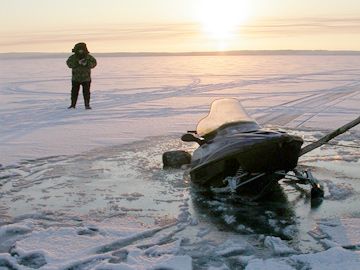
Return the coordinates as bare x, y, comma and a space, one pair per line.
75, 92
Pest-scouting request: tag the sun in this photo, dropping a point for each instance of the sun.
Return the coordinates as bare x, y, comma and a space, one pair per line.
220, 19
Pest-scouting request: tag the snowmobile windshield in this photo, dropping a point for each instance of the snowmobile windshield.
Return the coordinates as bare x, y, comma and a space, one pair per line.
223, 113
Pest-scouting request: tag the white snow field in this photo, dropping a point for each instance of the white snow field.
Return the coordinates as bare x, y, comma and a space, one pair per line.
85, 189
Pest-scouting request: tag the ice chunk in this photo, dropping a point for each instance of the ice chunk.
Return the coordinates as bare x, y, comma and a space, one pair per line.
221, 267
158, 250
232, 248
183, 262
289, 231
10, 234
203, 231
328, 243
278, 246
229, 219
244, 229
332, 259
339, 191
269, 264
340, 231
33, 260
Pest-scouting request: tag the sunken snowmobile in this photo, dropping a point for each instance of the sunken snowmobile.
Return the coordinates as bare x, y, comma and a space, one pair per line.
235, 152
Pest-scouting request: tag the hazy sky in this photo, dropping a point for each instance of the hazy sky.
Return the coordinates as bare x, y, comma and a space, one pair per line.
178, 25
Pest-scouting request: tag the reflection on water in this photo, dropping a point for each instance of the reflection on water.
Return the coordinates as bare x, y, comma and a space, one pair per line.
274, 215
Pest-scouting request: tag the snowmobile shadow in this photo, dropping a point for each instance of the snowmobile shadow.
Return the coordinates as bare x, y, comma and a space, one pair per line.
273, 215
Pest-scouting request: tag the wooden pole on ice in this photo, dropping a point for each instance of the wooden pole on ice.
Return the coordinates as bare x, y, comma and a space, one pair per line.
328, 137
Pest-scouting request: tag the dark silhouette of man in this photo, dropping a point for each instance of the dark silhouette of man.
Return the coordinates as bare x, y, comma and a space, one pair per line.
81, 63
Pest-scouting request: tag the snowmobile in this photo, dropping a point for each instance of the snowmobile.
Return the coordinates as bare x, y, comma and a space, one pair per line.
236, 152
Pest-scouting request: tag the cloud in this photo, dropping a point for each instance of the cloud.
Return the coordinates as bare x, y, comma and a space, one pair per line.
107, 33
172, 36
301, 26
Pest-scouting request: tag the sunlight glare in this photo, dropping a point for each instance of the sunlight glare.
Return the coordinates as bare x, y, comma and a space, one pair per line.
220, 19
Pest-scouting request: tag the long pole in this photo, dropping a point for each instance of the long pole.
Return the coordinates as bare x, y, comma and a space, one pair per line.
329, 136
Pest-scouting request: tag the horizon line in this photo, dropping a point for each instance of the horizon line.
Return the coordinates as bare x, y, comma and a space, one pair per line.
192, 53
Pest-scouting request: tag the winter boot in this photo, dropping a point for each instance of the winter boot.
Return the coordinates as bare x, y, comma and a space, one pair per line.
86, 93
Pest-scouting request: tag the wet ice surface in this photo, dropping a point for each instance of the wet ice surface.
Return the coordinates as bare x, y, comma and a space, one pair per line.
86, 189
116, 208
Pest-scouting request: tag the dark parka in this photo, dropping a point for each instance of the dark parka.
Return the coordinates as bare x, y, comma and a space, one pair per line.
81, 63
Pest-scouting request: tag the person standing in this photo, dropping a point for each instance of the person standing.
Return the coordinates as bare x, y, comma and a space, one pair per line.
81, 63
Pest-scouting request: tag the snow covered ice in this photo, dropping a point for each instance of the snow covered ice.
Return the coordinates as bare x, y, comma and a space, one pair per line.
86, 189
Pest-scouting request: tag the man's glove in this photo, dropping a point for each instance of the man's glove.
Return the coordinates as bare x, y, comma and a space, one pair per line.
82, 62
